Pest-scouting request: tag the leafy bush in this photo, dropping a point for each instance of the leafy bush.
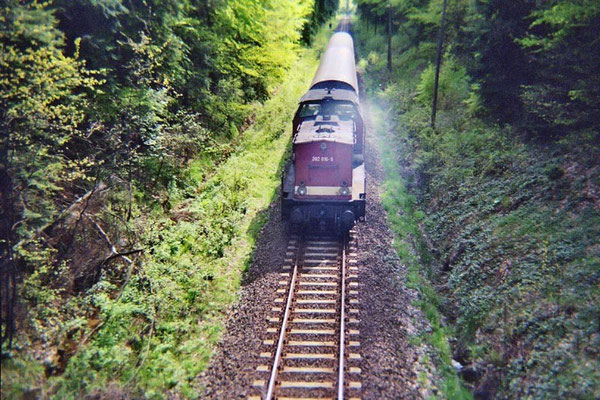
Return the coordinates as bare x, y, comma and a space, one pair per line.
453, 86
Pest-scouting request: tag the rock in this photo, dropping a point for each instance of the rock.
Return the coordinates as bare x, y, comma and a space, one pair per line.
456, 365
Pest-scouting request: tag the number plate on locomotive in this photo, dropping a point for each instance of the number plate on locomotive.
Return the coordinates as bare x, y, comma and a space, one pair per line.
322, 159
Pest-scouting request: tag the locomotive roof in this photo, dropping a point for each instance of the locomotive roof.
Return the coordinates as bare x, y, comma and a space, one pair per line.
337, 63
333, 94
330, 130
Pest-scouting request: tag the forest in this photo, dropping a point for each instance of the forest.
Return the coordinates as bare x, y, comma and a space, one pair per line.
143, 140
496, 206
118, 120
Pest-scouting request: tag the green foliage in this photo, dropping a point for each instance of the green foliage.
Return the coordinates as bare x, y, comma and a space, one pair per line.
322, 11
565, 34
487, 47
43, 97
453, 86
508, 230
533, 63
154, 125
404, 218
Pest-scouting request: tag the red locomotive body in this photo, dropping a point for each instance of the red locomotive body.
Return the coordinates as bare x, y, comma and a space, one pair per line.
324, 184
320, 167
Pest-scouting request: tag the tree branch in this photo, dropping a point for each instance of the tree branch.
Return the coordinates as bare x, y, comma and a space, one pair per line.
123, 254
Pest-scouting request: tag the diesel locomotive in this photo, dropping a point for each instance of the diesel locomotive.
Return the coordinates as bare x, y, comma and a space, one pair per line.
323, 185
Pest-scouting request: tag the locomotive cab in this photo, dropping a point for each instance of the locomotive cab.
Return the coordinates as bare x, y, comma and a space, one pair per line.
343, 109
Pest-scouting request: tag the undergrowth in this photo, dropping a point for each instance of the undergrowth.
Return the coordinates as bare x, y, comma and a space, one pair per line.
404, 217
500, 233
153, 336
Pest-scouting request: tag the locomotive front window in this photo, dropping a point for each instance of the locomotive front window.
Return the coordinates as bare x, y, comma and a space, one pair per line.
309, 110
346, 111
343, 109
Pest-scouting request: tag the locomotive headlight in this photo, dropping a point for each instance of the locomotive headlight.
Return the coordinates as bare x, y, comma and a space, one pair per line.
344, 190
301, 189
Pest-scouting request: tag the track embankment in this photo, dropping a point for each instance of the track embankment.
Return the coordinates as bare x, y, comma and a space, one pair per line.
391, 365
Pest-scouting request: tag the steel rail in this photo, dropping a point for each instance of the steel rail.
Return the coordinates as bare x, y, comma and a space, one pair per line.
340, 395
277, 360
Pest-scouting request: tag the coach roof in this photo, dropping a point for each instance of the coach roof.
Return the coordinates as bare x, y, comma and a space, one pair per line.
337, 63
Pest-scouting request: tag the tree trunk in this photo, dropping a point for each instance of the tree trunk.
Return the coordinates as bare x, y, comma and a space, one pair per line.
389, 47
437, 65
8, 218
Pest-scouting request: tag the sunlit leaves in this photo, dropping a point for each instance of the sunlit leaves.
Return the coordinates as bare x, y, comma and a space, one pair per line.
44, 96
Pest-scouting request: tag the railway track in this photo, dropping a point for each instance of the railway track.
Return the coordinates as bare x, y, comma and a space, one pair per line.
311, 348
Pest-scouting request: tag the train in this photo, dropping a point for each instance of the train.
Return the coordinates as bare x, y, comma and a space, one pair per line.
324, 184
